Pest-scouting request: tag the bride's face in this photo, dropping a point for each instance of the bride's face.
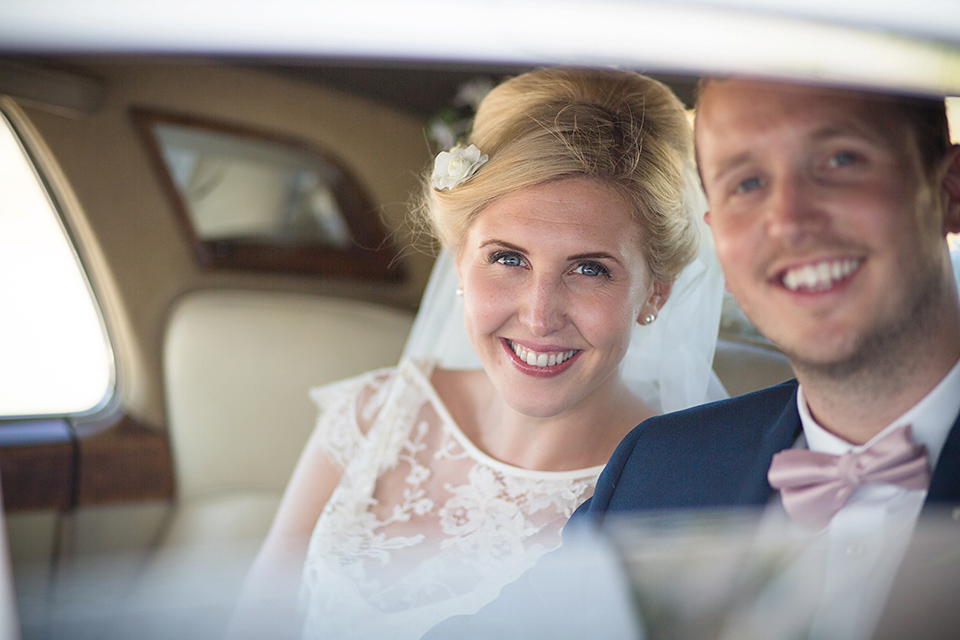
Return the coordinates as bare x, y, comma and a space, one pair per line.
554, 281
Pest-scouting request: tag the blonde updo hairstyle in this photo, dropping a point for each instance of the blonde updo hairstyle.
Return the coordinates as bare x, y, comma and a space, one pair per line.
623, 129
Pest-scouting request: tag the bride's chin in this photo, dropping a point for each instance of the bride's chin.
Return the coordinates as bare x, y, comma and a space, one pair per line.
538, 408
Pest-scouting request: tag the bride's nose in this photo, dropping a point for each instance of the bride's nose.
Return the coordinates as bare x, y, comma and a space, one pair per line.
542, 305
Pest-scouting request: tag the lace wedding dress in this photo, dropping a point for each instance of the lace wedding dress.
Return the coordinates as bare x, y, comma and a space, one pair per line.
423, 525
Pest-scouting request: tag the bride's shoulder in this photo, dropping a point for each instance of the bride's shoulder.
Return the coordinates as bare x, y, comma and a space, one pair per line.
451, 383
462, 392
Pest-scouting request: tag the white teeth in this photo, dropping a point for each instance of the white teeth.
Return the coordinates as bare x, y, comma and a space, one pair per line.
837, 270
820, 276
535, 359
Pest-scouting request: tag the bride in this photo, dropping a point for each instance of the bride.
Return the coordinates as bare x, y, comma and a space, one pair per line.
574, 298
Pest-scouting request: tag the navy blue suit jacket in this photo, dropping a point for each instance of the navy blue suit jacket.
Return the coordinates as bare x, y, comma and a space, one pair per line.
718, 454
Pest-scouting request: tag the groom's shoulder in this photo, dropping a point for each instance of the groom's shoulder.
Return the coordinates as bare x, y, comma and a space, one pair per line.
734, 424
711, 455
750, 408
733, 429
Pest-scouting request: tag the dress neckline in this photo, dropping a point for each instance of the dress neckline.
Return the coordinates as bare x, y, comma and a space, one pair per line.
420, 371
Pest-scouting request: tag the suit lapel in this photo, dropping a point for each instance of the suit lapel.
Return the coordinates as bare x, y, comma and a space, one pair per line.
781, 435
945, 483
930, 563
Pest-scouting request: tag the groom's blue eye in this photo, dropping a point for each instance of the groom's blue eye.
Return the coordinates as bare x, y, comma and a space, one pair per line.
841, 159
748, 185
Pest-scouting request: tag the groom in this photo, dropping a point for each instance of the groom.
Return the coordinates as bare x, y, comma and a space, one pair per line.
829, 209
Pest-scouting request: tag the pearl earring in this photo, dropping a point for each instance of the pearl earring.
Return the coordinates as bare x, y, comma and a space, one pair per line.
459, 292
649, 318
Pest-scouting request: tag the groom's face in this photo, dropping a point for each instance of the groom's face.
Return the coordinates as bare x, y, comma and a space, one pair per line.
822, 213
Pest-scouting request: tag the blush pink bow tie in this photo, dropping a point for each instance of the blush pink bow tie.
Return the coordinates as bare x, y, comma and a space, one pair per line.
814, 486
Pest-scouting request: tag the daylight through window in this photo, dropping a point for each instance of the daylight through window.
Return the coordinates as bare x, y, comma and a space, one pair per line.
55, 358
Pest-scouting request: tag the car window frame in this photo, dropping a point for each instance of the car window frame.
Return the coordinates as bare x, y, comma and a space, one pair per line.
67, 460
371, 255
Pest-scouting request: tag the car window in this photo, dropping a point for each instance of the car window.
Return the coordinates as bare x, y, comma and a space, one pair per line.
55, 357
251, 199
953, 115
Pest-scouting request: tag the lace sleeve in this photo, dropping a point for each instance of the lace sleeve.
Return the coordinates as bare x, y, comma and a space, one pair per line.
348, 408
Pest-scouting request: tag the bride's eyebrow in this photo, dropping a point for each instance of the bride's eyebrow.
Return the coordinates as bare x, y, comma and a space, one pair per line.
502, 244
596, 255
592, 255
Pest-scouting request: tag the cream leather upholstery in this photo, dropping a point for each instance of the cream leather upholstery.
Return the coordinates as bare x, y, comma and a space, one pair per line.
238, 366
743, 367
237, 369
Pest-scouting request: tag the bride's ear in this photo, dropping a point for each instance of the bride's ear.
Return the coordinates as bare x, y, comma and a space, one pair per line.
658, 297
456, 265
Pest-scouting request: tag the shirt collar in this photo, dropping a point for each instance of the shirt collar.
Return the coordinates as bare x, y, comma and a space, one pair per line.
931, 419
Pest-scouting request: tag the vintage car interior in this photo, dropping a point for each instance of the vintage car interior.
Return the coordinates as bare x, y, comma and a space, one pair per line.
230, 210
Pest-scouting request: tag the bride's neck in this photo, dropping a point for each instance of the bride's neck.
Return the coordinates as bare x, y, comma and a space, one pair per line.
580, 437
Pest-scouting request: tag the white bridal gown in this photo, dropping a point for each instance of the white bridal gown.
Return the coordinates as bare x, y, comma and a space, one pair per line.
423, 525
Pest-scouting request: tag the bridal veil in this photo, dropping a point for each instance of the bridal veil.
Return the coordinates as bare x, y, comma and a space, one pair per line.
669, 362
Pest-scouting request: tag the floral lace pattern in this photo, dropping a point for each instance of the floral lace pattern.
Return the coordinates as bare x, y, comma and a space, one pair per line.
423, 524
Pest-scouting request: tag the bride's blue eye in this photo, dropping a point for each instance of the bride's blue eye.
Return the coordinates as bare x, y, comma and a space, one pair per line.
592, 269
508, 258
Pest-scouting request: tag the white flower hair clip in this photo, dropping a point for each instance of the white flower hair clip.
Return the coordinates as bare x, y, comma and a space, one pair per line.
456, 166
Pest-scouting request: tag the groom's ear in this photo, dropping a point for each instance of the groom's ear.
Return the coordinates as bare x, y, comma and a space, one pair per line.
951, 190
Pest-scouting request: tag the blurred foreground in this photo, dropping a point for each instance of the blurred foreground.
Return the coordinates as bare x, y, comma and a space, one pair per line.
683, 575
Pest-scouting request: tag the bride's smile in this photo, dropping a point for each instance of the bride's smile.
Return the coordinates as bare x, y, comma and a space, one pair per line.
541, 358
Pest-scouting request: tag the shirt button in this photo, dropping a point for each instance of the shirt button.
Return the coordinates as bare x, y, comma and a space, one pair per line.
854, 550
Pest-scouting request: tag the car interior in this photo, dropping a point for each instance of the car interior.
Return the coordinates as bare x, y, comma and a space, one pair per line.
214, 362
239, 224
